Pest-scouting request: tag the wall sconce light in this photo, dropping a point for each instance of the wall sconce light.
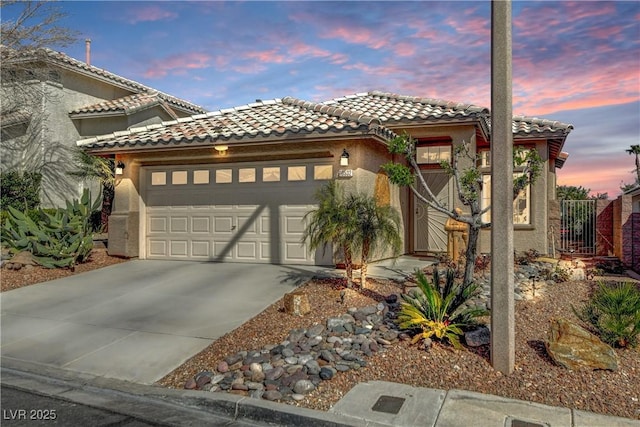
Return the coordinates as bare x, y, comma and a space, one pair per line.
120, 168
222, 149
344, 158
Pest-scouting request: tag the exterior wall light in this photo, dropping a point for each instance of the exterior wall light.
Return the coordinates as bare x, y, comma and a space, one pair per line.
120, 168
344, 158
222, 149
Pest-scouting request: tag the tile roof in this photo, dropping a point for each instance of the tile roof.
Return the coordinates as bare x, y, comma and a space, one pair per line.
373, 113
14, 118
263, 120
65, 61
125, 105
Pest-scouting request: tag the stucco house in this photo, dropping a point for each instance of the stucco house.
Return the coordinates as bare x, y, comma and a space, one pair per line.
234, 184
50, 100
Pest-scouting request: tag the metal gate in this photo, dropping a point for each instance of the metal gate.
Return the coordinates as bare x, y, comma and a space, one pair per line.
578, 227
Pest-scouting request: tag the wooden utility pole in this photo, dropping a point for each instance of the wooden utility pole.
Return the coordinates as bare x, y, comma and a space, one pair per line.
502, 304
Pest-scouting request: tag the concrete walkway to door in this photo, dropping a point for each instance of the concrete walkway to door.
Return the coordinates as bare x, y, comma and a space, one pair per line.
141, 319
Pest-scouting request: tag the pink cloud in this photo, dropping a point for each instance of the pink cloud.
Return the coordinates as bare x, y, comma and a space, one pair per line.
150, 13
178, 64
270, 56
405, 49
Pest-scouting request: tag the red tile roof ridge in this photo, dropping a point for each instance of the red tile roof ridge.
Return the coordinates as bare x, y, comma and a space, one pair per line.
342, 113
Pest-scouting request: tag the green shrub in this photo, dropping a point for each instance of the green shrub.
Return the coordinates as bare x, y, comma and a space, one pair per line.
613, 312
20, 191
439, 310
56, 238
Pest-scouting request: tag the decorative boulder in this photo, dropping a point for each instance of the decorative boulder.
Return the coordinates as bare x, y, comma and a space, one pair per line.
297, 303
573, 347
477, 337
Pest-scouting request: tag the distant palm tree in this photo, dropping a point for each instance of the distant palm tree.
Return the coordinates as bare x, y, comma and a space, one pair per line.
101, 170
376, 227
331, 223
635, 149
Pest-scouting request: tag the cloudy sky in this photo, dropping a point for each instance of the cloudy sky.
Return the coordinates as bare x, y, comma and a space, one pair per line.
577, 62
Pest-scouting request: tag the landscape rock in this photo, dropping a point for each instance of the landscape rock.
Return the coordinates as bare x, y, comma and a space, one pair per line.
478, 337
575, 348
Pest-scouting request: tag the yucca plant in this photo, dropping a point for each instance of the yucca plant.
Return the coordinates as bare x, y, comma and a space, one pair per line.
614, 313
438, 310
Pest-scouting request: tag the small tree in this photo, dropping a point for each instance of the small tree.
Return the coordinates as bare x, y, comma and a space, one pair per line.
101, 170
332, 223
468, 182
375, 227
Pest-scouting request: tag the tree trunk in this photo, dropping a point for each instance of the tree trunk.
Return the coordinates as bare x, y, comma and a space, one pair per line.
348, 264
363, 269
107, 206
470, 254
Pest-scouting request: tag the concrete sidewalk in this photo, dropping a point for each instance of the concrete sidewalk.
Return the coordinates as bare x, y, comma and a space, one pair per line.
374, 404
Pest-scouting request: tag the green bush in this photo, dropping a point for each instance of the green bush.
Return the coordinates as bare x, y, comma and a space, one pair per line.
56, 238
613, 312
439, 310
20, 191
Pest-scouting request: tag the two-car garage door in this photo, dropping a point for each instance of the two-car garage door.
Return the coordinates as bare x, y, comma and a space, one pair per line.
236, 213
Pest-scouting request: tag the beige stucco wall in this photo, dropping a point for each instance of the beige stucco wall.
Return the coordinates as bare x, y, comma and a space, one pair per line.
366, 157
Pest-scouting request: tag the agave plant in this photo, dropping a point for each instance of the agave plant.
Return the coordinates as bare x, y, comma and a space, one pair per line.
438, 310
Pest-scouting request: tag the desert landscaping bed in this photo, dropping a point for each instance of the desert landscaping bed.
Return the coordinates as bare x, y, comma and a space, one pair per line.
536, 378
29, 275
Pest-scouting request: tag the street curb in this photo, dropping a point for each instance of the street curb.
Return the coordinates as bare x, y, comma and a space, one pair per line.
118, 396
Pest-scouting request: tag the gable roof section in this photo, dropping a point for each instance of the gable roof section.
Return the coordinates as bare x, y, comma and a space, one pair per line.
260, 121
64, 61
126, 105
370, 113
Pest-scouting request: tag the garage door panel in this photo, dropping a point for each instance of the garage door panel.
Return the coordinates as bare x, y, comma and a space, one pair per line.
223, 224
222, 250
295, 252
294, 225
157, 224
157, 247
179, 248
247, 250
200, 249
247, 225
201, 224
179, 224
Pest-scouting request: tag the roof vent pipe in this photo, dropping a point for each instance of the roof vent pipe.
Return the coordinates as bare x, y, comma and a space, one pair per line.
88, 51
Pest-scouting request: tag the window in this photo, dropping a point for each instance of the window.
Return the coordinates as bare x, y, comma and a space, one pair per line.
201, 177
179, 177
271, 174
158, 178
433, 154
484, 160
224, 176
297, 173
247, 175
321, 172
521, 205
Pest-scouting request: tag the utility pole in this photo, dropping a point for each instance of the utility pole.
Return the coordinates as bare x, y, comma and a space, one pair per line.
502, 303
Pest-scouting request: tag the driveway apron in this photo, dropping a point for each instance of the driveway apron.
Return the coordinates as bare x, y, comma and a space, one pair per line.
138, 320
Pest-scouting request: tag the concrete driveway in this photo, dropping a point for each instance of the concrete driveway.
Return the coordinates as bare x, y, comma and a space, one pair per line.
138, 320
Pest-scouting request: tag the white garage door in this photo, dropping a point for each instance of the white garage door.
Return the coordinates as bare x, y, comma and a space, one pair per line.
232, 213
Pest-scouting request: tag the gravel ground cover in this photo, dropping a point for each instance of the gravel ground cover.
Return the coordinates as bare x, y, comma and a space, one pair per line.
536, 378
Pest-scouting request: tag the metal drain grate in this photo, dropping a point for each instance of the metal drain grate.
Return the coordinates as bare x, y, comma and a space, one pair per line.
514, 422
389, 404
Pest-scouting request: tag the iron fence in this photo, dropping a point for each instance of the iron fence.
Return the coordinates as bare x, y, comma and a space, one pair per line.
578, 227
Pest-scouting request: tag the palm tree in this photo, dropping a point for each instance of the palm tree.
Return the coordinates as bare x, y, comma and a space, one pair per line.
635, 149
333, 222
100, 169
377, 227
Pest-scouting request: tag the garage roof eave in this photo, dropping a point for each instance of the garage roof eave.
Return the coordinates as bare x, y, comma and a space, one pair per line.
93, 145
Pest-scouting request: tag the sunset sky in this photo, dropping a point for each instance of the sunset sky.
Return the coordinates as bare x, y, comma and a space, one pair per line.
576, 62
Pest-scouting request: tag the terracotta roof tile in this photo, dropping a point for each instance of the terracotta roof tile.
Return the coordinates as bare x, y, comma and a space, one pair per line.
66, 61
125, 105
373, 113
15, 118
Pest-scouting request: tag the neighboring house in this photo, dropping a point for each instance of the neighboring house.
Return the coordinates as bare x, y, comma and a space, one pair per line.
235, 184
50, 100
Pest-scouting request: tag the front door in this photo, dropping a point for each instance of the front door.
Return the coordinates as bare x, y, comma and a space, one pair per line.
428, 223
